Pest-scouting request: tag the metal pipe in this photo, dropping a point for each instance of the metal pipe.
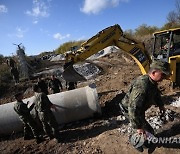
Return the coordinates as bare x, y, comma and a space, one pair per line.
71, 105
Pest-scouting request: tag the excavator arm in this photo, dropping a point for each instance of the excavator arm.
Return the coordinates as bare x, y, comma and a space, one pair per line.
111, 36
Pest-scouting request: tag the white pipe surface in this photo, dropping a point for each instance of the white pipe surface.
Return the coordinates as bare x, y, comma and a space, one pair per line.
71, 105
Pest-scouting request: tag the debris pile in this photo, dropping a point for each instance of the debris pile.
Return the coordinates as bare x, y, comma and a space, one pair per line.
87, 70
156, 121
90, 70
176, 103
104, 52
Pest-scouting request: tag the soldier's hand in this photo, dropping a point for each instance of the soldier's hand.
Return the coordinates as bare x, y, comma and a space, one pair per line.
142, 131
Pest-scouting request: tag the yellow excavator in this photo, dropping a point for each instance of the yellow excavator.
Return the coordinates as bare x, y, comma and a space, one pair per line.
114, 36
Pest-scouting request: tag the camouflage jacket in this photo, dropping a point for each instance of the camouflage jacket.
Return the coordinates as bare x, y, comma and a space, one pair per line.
55, 84
42, 102
21, 109
141, 95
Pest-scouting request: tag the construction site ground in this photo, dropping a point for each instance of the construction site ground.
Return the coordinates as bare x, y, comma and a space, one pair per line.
102, 134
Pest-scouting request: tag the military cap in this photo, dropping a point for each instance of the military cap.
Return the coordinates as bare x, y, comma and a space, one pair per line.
161, 65
18, 94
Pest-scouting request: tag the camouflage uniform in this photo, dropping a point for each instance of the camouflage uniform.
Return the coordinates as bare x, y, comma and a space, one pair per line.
28, 122
141, 95
54, 85
71, 85
48, 120
11, 62
15, 74
43, 86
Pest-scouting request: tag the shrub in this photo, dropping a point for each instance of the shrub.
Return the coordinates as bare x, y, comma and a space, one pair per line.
5, 78
67, 46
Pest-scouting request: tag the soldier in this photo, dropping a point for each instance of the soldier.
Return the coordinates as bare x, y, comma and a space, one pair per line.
165, 47
24, 114
71, 85
10, 62
141, 95
55, 84
15, 74
43, 85
43, 107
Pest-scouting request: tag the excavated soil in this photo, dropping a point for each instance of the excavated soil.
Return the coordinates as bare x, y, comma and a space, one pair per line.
102, 134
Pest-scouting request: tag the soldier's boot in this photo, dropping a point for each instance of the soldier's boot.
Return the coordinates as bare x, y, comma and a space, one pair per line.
58, 139
49, 133
28, 134
147, 145
39, 140
28, 137
51, 136
57, 136
140, 149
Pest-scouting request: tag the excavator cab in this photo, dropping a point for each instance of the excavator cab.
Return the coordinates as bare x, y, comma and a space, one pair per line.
166, 44
167, 48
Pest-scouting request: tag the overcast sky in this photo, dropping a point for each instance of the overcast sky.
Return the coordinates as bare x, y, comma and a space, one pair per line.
43, 25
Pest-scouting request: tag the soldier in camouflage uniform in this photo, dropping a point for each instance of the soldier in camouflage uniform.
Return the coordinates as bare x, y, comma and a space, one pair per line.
55, 84
142, 94
70, 85
24, 114
43, 107
15, 74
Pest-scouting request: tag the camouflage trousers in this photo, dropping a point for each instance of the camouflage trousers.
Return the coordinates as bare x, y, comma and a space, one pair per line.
30, 126
49, 123
146, 126
16, 79
137, 141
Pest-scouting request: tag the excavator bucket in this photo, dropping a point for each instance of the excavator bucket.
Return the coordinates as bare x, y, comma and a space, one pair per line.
71, 75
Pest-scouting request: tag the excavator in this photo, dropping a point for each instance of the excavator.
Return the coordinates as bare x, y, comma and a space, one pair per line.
114, 36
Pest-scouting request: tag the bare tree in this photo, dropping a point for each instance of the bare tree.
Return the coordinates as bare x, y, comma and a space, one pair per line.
172, 17
178, 10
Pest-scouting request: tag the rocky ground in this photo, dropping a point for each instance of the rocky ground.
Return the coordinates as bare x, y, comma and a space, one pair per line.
106, 134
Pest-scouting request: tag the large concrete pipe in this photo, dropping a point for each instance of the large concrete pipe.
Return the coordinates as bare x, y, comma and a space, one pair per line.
71, 105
